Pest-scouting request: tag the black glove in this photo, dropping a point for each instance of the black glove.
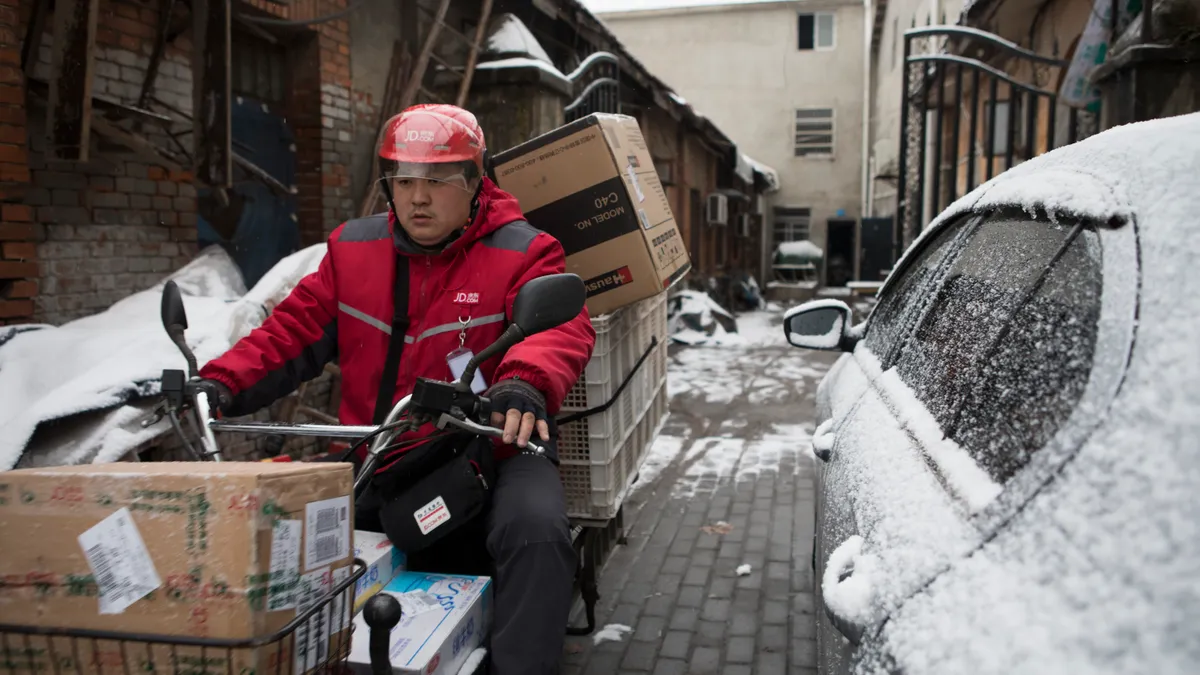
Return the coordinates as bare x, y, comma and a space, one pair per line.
219, 396
517, 394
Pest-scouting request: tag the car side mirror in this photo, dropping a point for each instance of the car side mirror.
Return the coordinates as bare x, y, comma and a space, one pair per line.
820, 324
173, 312
546, 302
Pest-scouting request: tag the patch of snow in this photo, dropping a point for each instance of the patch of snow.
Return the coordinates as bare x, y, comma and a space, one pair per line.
852, 598
662, 452
510, 35
677, 98
769, 174
803, 248
613, 632
523, 62
743, 570
102, 367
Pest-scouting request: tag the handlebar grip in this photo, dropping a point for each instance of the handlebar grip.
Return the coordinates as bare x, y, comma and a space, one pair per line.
381, 613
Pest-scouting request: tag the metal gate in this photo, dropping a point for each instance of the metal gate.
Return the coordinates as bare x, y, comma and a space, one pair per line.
597, 83
963, 120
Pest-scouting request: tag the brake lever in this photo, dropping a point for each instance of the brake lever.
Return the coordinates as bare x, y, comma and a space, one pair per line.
445, 420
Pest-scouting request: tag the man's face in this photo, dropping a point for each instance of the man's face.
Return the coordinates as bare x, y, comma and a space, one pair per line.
432, 207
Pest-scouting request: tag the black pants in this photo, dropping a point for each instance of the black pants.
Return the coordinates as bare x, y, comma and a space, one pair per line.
524, 543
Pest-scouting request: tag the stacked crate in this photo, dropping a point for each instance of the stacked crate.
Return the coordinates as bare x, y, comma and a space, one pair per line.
600, 454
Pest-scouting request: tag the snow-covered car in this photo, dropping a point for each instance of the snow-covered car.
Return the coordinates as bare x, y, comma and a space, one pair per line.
1008, 453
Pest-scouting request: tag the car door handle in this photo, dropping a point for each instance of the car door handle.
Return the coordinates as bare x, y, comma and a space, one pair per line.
822, 440
853, 598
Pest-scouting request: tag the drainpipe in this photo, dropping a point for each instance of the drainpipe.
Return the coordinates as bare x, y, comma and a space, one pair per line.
868, 23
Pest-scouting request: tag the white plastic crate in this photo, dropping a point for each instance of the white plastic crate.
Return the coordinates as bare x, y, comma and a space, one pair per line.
621, 339
595, 489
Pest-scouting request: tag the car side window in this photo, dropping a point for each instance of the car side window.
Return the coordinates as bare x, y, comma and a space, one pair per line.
899, 306
1032, 379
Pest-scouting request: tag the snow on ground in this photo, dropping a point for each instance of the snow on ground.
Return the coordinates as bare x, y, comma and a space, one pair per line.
749, 370
613, 632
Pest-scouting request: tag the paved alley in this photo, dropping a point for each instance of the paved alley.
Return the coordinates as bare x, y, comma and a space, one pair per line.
728, 484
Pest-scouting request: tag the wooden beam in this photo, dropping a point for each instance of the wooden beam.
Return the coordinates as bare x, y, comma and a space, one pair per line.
165, 9
33, 37
69, 113
211, 95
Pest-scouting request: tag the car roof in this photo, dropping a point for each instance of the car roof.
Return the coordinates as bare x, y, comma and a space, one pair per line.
1113, 541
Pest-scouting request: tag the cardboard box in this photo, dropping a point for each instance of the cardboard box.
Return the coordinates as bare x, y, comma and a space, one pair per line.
383, 562
210, 550
592, 185
445, 619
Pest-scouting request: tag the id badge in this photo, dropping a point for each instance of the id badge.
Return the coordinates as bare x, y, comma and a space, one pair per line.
458, 360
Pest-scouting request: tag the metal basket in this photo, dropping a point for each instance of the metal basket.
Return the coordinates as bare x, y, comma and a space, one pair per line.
294, 649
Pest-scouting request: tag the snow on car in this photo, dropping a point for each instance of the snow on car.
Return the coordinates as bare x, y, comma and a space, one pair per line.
1009, 454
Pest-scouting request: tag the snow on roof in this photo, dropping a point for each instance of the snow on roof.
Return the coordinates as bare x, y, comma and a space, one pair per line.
1100, 570
802, 248
523, 62
510, 35
609, 6
769, 174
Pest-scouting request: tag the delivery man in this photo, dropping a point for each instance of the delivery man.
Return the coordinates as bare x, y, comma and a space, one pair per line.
457, 248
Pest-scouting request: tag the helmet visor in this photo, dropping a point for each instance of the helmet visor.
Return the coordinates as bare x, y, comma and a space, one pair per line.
406, 175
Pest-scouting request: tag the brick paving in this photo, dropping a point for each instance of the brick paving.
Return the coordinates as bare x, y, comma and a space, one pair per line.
674, 583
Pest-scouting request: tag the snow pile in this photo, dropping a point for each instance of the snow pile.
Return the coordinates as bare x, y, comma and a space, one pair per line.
803, 248
695, 318
848, 584
522, 62
743, 570
90, 376
771, 175
510, 36
662, 452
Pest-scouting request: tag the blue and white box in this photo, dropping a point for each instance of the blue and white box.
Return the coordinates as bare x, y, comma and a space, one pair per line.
445, 619
383, 561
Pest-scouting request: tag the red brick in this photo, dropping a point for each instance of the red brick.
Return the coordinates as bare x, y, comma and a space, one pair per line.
20, 251
156, 173
12, 114
18, 173
11, 309
14, 154
17, 232
107, 36
17, 270
11, 94
17, 213
26, 288
10, 56
10, 133
180, 176
11, 75
131, 27
127, 11
130, 42
8, 16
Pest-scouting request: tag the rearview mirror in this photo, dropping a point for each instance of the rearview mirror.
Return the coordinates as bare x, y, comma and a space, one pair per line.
820, 324
173, 312
549, 301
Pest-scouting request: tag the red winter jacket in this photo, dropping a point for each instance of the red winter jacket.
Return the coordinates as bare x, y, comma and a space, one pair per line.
345, 309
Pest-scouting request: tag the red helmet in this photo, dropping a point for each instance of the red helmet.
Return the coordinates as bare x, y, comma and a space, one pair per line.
433, 133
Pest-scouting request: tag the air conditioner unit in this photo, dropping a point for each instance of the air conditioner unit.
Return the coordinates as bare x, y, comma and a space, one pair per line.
745, 225
718, 209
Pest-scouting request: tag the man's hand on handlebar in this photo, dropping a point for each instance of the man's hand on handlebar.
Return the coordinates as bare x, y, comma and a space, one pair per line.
518, 408
219, 396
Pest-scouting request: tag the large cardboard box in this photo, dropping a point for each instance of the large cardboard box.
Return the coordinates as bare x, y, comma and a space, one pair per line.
205, 549
445, 619
592, 185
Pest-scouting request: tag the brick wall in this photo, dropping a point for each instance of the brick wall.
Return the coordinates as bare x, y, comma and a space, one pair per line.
18, 231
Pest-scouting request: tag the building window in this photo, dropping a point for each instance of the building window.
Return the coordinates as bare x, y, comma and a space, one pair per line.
816, 31
257, 69
814, 132
792, 224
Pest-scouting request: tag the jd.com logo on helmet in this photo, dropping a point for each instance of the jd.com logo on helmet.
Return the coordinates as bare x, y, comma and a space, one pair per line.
419, 136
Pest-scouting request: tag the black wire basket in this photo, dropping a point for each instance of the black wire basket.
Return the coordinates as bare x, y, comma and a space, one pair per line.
294, 649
